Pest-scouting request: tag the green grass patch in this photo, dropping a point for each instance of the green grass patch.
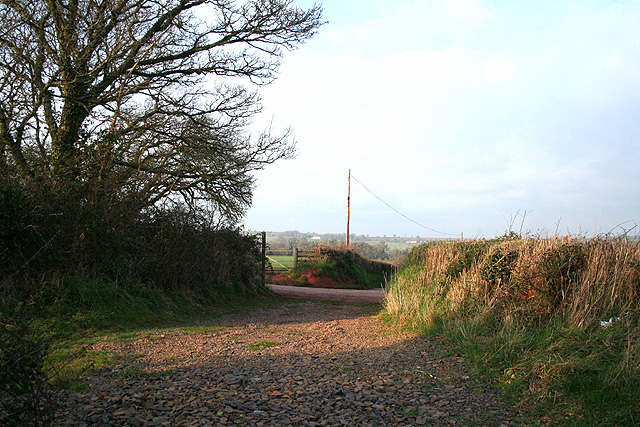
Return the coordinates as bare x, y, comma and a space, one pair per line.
565, 375
83, 305
123, 312
134, 372
261, 345
286, 260
72, 363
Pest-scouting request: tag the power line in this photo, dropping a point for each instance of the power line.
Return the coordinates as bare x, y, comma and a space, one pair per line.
398, 212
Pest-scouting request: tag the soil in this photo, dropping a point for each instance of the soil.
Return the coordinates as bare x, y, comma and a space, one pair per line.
311, 279
329, 294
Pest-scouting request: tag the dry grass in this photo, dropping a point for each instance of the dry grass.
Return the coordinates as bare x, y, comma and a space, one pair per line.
529, 311
583, 281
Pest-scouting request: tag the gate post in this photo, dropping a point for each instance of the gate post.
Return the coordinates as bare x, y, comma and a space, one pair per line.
295, 258
264, 259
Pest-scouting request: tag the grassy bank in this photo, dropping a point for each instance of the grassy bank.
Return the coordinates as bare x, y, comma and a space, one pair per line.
530, 314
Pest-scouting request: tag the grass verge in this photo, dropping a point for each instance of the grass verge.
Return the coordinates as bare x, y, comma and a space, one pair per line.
528, 313
66, 318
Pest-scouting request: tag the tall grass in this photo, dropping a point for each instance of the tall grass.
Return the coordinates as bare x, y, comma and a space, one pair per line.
529, 312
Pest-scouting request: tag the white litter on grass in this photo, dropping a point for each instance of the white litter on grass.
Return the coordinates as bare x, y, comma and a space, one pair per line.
605, 323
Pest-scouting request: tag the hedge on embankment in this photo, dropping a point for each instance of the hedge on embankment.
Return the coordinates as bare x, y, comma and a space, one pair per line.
74, 264
341, 267
46, 242
555, 322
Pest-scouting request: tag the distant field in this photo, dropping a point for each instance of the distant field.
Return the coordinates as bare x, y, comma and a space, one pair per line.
401, 246
286, 260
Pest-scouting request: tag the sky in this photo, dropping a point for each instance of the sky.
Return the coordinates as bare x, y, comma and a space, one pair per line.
460, 116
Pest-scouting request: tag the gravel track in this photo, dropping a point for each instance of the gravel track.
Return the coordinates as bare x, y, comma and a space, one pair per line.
295, 364
329, 294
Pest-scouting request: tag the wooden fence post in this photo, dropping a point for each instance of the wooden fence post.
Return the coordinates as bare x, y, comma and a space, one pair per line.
295, 258
264, 259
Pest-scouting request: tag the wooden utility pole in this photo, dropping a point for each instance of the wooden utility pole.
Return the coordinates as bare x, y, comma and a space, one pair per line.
348, 205
264, 259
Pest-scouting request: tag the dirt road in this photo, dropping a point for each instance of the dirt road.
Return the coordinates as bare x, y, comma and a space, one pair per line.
327, 294
298, 363
295, 363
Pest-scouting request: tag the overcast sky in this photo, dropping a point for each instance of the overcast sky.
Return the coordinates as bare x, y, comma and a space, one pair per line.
461, 115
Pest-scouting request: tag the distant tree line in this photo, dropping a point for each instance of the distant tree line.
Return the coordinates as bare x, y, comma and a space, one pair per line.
378, 251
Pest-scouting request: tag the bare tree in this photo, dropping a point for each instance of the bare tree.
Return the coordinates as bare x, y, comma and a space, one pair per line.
142, 98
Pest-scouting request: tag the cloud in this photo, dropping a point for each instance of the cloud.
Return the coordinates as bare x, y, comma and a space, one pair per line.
463, 113
467, 15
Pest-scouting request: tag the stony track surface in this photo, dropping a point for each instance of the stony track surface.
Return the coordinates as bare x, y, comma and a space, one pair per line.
329, 294
296, 364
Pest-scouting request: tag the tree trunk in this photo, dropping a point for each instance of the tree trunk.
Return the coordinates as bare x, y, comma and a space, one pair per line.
64, 146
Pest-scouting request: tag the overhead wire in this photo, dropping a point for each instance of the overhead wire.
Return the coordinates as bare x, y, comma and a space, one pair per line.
398, 212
